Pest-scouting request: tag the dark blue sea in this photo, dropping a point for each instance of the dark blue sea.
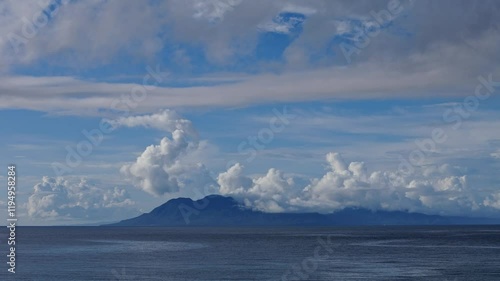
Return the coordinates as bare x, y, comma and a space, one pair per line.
186, 254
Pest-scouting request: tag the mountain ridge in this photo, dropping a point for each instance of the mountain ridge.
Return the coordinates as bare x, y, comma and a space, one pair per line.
217, 210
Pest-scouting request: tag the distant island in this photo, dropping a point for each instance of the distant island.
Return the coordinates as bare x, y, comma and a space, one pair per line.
216, 210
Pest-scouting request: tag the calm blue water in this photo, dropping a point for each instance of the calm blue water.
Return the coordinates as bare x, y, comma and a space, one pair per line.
365, 253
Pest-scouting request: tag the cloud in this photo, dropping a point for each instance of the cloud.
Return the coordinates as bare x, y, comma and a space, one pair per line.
164, 168
83, 34
166, 120
170, 166
65, 199
351, 185
87, 32
361, 82
232, 181
266, 193
493, 201
213, 10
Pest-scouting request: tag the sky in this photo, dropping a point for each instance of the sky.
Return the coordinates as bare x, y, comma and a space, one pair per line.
110, 108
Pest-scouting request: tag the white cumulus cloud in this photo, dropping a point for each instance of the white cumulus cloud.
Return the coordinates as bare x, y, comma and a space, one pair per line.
347, 185
61, 199
169, 166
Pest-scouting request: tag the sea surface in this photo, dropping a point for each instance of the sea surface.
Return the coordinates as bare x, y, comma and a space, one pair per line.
187, 254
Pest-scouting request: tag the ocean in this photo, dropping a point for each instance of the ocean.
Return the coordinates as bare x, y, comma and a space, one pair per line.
182, 254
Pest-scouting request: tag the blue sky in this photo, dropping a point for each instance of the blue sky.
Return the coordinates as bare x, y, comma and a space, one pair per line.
285, 105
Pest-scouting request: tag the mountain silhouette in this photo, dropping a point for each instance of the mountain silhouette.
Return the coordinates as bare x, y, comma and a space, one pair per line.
216, 210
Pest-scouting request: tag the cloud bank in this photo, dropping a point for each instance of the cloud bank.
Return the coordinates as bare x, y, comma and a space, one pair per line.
61, 199
351, 185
